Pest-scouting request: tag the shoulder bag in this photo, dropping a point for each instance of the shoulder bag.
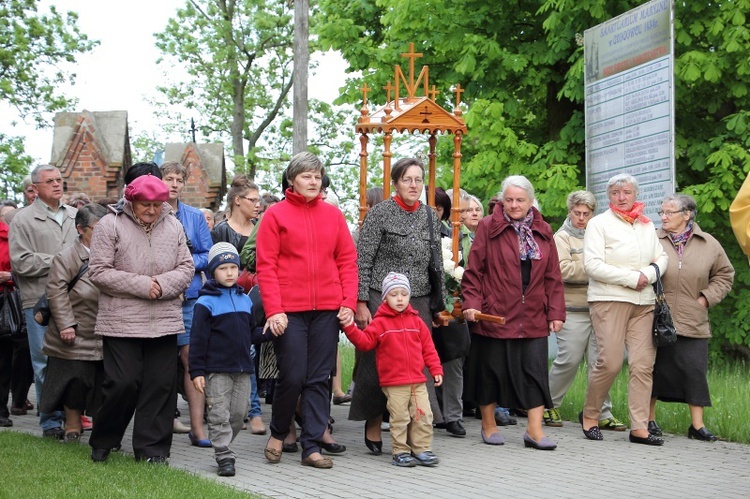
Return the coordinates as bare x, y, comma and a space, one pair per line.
664, 332
42, 312
12, 323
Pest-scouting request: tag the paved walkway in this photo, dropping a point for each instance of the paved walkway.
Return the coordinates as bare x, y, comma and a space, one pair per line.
578, 468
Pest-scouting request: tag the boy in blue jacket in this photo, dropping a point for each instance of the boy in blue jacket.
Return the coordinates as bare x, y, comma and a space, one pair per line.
220, 362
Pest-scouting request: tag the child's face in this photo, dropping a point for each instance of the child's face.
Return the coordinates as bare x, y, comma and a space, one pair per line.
226, 274
398, 299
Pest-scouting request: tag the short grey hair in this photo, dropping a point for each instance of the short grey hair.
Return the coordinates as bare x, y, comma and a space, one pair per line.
620, 180
470, 198
26, 182
683, 202
304, 162
517, 181
36, 172
581, 197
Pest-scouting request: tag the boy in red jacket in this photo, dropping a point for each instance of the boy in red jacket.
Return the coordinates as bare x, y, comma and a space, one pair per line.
404, 346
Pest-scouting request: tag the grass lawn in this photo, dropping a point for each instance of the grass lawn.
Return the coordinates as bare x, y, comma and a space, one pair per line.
40, 467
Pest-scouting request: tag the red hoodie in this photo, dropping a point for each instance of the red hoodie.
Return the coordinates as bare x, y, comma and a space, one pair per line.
306, 257
404, 346
4, 253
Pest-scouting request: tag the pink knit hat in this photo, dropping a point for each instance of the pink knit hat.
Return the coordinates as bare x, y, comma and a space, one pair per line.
147, 188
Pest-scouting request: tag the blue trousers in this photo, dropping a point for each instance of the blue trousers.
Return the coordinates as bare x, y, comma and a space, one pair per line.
306, 356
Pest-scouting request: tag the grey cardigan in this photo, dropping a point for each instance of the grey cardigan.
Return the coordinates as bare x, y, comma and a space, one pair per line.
394, 240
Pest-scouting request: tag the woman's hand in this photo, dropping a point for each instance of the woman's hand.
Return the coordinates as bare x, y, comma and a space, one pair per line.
438, 380
199, 382
4, 276
345, 316
642, 282
702, 300
277, 323
68, 335
155, 291
555, 326
362, 317
469, 314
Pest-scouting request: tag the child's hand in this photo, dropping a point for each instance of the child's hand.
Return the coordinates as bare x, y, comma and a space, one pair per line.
346, 321
199, 382
438, 380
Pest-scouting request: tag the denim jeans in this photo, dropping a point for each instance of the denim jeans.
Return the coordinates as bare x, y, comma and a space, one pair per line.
254, 398
39, 363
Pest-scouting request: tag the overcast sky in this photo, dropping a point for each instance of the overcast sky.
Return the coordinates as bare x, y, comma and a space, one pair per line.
122, 70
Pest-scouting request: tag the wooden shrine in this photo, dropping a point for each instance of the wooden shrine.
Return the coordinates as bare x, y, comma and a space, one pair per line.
412, 113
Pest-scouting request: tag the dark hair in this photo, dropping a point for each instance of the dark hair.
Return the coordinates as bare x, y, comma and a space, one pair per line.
491, 204
90, 213
140, 169
240, 186
442, 200
374, 196
399, 168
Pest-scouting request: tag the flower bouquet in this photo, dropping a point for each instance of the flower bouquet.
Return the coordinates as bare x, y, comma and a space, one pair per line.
452, 275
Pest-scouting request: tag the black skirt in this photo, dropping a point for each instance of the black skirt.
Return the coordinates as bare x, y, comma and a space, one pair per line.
368, 400
511, 373
75, 384
680, 372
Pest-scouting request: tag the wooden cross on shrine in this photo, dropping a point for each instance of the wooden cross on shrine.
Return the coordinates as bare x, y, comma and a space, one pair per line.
411, 55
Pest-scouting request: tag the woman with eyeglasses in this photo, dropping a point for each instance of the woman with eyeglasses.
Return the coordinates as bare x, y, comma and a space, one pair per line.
618, 249
395, 237
698, 276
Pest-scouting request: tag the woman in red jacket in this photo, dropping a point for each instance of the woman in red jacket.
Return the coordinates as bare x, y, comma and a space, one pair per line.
307, 272
513, 272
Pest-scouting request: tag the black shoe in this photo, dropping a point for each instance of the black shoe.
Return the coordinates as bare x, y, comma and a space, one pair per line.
375, 446
650, 440
285, 447
6, 422
702, 434
654, 429
226, 467
333, 448
99, 455
439, 426
56, 433
157, 460
455, 429
593, 433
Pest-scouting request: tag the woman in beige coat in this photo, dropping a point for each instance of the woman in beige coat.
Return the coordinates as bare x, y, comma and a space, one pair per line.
698, 276
74, 352
141, 264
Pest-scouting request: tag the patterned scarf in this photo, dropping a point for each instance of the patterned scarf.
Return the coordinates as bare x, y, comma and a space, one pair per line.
681, 239
527, 246
635, 213
146, 227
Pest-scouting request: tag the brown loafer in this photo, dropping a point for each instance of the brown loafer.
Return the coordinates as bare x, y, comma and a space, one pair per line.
273, 456
323, 462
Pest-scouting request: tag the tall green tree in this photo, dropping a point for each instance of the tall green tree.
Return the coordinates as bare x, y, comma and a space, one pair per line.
15, 164
521, 64
238, 58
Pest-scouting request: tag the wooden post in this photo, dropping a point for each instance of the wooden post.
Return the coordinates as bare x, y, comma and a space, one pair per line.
433, 163
455, 210
387, 136
363, 139
301, 63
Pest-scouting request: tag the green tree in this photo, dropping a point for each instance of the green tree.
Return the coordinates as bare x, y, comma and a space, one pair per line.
33, 50
521, 64
15, 165
238, 57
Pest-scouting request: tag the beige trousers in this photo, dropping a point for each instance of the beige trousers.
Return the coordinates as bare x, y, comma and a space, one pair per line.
619, 326
411, 418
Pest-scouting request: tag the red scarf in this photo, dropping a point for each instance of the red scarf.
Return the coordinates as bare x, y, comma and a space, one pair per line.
635, 213
405, 206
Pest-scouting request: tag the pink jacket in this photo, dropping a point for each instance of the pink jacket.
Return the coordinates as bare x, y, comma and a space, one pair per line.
123, 260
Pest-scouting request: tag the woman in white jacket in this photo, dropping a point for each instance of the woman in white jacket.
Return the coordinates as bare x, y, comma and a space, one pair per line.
619, 247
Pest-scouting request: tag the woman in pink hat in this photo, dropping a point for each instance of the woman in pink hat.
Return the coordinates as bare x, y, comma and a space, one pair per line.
141, 264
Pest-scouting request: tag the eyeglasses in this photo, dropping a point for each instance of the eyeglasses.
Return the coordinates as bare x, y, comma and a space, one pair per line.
409, 181
252, 200
669, 213
51, 181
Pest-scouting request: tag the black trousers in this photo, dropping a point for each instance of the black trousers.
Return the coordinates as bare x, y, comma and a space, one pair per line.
139, 377
306, 356
16, 373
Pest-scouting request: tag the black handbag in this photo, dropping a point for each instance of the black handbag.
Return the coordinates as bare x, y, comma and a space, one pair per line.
437, 303
42, 313
12, 322
452, 341
664, 332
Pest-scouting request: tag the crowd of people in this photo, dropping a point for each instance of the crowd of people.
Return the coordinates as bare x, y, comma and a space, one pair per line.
150, 298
